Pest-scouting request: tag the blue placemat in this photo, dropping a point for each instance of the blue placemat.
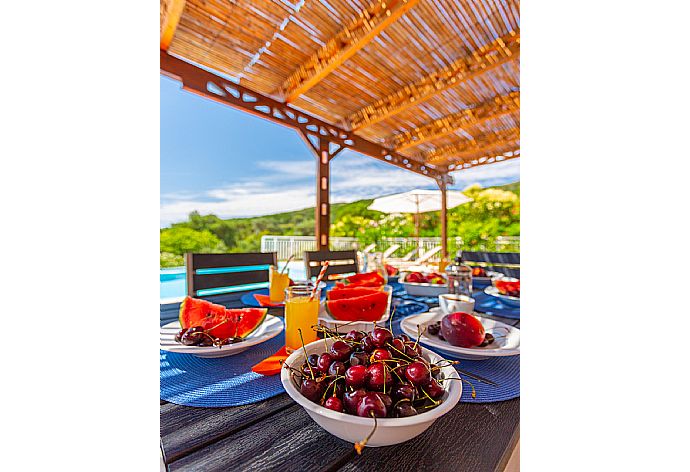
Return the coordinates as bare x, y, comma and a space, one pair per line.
484, 303
225, 381
405, 308
505, 371
249, 300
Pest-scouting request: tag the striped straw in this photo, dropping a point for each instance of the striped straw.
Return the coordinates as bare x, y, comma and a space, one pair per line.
318, 279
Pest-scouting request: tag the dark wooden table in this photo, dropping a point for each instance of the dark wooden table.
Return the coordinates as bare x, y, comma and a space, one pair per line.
277, 434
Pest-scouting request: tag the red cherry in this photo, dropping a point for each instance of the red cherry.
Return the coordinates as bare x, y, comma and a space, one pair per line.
337, 368
351, 400
462, 329
404, 390
380, 354
367, 344
354, 336
334, 403
312, 389
370, 404
356, 376
399, 345
413, 349
324, 362
380, 336
434, 389
417, 373
340, 350
378, 375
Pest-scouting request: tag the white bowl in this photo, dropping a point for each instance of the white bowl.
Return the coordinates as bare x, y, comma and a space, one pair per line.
345, 326
353, 428
424, 290
452, 302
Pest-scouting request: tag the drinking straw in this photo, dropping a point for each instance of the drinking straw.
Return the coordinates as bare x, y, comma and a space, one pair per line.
318, 279
286, 264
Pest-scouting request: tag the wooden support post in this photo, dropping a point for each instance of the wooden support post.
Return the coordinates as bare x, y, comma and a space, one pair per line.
444, 219
323, 188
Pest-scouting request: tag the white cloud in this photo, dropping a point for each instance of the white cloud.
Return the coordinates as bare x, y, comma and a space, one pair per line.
287, 186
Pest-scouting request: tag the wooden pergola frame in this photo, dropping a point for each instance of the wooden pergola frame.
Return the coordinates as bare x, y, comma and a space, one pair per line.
391, 140
325, 139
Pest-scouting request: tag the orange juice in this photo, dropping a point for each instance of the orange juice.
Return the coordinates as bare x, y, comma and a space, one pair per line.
301, 312
277, 284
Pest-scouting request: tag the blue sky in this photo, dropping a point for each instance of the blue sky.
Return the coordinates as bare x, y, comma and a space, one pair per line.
215, 159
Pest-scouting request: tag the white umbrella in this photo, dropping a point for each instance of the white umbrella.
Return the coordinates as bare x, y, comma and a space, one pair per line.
418, 201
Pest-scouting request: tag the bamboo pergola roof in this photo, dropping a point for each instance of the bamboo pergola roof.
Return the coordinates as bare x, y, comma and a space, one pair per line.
434, 81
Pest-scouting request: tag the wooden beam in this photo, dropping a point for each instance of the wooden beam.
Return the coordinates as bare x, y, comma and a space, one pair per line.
214, 87
343, 46
323, 205
171, 11
457, 160
485, 111
498, 52
489, 156
478, 144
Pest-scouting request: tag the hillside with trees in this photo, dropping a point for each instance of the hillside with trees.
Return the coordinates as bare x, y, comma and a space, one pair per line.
494, 211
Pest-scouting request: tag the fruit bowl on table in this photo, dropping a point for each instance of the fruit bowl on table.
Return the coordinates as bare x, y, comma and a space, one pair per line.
506, 343
353, 428
347, 323
506, 299
419, 284
270, 328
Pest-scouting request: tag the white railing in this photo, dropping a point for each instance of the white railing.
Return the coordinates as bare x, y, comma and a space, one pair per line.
508, 244
286, 246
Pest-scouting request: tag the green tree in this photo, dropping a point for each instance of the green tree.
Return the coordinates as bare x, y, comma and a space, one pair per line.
179, 240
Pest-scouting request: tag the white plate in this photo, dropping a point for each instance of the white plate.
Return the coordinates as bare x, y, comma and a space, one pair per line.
506, 345
493, 291
270, 328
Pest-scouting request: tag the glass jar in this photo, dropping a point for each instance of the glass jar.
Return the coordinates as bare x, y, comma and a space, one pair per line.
459, 277
373, 262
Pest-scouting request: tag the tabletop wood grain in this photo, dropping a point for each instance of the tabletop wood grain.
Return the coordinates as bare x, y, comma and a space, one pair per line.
277, 434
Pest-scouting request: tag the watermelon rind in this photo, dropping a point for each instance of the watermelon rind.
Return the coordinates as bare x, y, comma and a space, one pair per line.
262, 311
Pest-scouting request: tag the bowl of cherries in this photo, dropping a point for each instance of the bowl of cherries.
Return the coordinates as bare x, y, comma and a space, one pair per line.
371, 388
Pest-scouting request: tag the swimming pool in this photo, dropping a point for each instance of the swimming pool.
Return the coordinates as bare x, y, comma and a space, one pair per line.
174, 282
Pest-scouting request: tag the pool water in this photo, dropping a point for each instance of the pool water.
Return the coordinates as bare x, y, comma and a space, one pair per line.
174, 280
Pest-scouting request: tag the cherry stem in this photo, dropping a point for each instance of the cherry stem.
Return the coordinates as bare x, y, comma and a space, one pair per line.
325, 394
306, 356
359, 446
390, 320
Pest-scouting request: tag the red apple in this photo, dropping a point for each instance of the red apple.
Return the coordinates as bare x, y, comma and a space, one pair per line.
462, 329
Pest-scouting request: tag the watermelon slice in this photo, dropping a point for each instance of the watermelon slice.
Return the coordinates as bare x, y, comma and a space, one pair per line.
367, 278
235, 323
349, 292
219, 321
194, 310
369, 307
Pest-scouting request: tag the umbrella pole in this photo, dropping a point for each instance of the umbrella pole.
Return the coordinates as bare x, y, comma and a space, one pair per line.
417, 217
